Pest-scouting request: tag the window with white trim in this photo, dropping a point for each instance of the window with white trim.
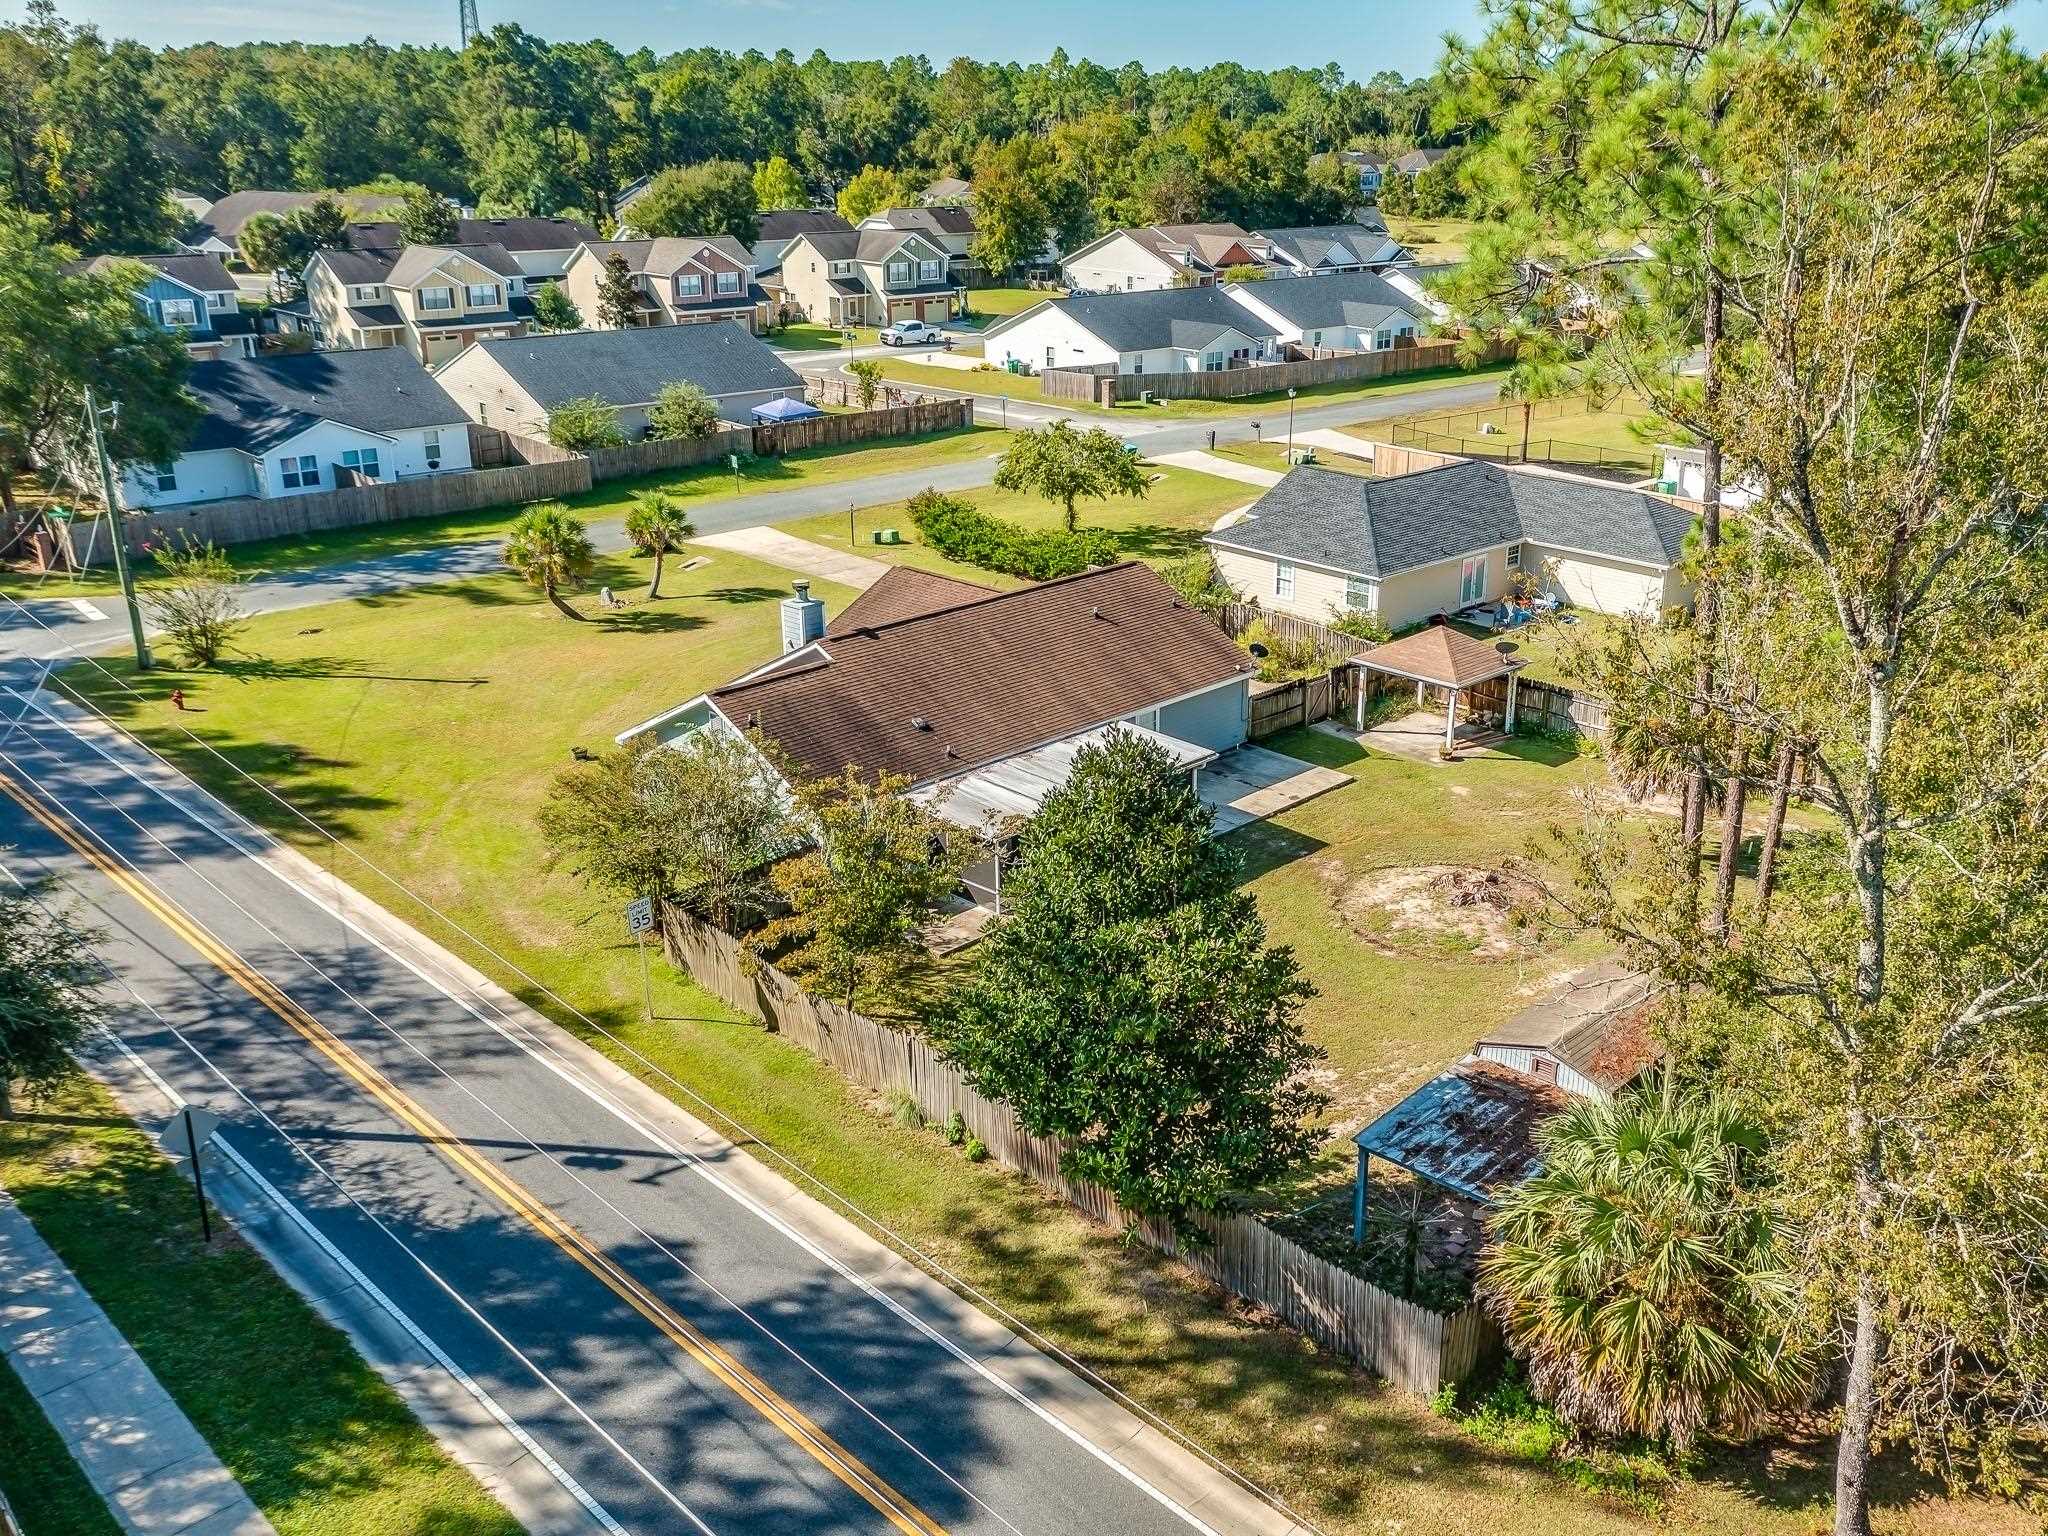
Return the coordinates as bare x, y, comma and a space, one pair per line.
899, 272
296, 472
179, 311
1514, 557
437, 300
362, 460
164, 477
728, 282
363, 293
930, 271
1283, 579
689, 285
432, 440
1361, 594
1382, 340
481, 295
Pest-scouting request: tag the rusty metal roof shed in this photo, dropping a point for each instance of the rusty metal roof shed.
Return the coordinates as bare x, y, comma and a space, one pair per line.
1471, 1130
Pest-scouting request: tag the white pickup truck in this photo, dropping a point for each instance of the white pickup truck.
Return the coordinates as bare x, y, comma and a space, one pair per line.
911, 333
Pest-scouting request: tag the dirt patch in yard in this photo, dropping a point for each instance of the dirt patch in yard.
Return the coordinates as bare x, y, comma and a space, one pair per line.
1432, 909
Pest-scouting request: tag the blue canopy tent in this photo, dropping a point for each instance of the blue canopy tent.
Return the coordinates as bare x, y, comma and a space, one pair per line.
782, 408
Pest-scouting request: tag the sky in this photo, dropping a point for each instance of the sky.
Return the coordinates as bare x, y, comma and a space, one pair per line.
1362, 36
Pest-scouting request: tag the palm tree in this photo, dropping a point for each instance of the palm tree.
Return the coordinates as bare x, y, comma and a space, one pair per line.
551, 550
657, 527
1639, 1274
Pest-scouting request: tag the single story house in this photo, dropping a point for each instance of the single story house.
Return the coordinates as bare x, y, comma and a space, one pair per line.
540, 246
1163, 330
1407, 547
514, 384
677, 280
432, 300
311, 421
1354, 311
775, 230
1311, 249
219, 231
1160, 256
1591, 1037
869, 276
980, 698
195, 297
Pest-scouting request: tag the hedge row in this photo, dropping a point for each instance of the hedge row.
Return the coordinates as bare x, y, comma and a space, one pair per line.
957, 531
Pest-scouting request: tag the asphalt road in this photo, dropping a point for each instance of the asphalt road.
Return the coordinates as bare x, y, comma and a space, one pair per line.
691, 1364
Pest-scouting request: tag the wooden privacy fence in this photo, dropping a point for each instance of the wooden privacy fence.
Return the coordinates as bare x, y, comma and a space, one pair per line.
1236, 618
1554, 708
914, 418
1407, 1344
1282, 706
1083, 386
652, 455
1272, 378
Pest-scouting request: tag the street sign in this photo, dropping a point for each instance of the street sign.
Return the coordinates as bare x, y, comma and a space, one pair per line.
191, 1125
640, 915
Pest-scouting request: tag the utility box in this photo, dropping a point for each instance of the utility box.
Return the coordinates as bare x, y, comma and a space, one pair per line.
887, 536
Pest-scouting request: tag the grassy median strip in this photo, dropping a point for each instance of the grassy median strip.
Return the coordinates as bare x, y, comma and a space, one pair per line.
47, 1492
317, 1438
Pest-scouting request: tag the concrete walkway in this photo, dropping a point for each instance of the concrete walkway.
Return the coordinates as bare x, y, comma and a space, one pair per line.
135, 1446
801, 555
1215, 464
1330, 440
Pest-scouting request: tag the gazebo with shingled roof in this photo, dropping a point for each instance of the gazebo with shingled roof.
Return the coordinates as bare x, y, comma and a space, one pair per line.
1440, 656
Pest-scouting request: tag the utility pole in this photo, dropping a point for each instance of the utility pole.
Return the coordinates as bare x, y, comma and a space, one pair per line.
1290, 429
114, 529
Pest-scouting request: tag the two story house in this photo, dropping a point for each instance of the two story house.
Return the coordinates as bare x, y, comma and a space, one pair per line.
778, 228
541, 247
1161, 256
677, 280
195, 297
948, 226
432, 300
306, 422
869, 277
1371, 169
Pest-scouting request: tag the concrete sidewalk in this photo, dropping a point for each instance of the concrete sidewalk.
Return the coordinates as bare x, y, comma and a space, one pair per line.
135, 1446
1334, 441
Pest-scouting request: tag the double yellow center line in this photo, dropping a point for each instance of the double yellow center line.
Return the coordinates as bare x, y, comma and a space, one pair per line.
905, 1516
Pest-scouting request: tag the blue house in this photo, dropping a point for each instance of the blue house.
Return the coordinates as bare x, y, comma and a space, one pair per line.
194, 296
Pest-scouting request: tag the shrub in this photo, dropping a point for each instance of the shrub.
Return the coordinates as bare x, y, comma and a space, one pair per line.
904, 1111
958, 531
1285, 657
198, 603
1199, 583
1359, 625
975, 1151
956, 1129
681, 410
585, 423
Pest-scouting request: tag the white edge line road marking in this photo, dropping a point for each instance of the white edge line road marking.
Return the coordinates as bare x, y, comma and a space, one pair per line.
549, 1058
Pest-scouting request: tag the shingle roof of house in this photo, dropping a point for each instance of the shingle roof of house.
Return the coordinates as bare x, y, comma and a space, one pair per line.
788, 223
860, 244
630, 367
664, 254
942, 218
1471, 1129
947, 187
1371, 527
1314, 245
204, 273
1597, 1024
1419, 160
1332, 299
1211, 242
1133, 322
403, 266
939, 693
226, 217
904, 592
521, 234
255, 404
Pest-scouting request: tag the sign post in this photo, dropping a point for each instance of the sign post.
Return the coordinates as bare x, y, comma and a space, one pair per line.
185, 1137
640, 918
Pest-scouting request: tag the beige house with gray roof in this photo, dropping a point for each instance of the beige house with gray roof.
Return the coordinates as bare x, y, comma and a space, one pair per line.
869, 277
433, 300
677, 280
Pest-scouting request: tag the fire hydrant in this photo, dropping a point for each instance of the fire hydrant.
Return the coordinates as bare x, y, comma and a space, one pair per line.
177, 698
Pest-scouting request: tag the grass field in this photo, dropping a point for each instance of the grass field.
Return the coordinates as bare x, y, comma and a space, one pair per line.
807, 337
321, 1444
440, 784
1026, 387
1432, 240
1570, 430
992, 304
816, 466
1167, 524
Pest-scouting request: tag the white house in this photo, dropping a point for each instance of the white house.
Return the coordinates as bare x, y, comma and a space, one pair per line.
1156, 256
1312, 249
314, 421
1355, 311
1407, 547
1685, 474
1165, 330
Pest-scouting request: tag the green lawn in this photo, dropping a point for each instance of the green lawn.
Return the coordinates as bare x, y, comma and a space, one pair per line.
316, 1437
1570, 430
43, 1484
988, 305
1026, 387
807, 337
1272, 454
423, 727
1167, 524
1432, 240
815, 466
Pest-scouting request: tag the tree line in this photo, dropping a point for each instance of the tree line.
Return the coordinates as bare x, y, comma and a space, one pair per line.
94, 132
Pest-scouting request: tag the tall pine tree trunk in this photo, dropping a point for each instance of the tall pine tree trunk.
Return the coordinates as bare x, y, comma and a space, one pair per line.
1774, 827
1731, 836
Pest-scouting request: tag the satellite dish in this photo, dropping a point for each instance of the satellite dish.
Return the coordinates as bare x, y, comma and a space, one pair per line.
1258, 650
1506, 647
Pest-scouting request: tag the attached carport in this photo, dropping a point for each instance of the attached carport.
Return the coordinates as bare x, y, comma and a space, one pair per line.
1439, 656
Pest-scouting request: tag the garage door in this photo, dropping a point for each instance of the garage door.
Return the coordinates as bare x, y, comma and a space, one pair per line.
440, 348
903, 309
934, 310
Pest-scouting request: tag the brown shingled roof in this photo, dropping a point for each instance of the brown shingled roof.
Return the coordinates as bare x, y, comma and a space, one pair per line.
942, 692
1439, 654
904, 592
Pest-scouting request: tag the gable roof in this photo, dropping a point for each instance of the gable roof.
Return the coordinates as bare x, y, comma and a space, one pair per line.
629, 367
202, 274
255, 404
904, 592
1597, 1024
788, 223
1379, 527
226, 217
1211, 242
404, 266
1331, 299
1313, 245
940, 218
1419, 160
862, 244
663, 255
989, 676
520, 234
1136, 322
947, 187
